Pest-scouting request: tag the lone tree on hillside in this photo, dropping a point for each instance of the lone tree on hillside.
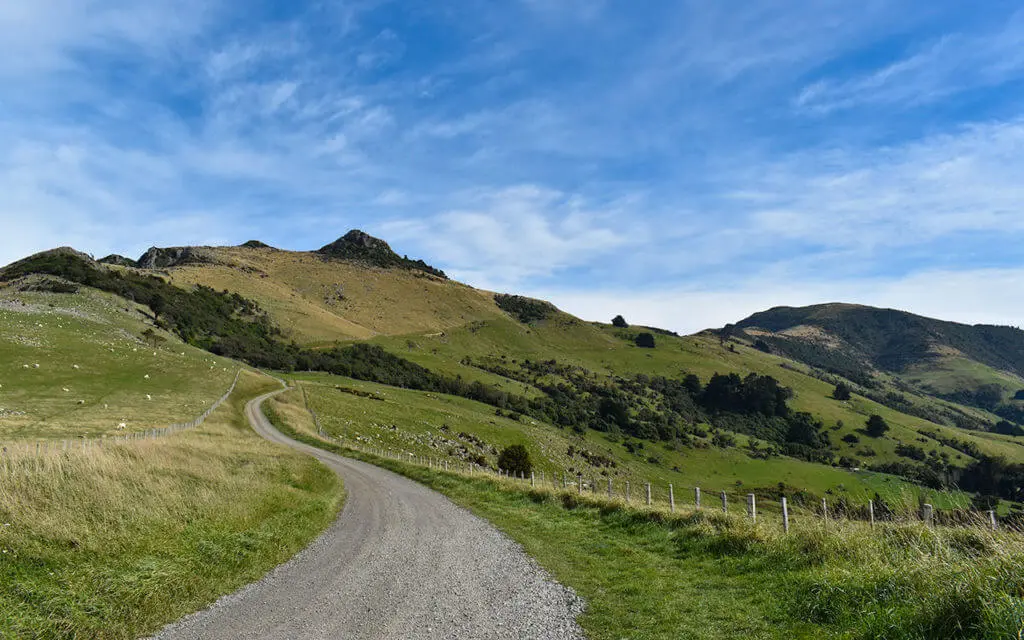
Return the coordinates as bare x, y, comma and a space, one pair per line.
876, 426
158, 303
152, 338
620, 322
842, 391
515, 459
645, 340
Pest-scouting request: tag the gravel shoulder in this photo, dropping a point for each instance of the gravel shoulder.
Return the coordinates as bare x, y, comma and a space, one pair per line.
401, 561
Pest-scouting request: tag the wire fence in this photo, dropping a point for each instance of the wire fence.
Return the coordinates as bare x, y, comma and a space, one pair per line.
783, 510
46, 447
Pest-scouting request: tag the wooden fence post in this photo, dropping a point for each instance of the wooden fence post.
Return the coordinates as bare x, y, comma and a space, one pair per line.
627, 490
824, 509
992, 520
609, 487
533, 479
725, 503
871, 512
696, 496
671, 499
752, 507
785, 516
648, 494
927, 514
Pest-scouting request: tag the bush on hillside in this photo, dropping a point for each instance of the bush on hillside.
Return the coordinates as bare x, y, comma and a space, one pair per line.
620, 322
876, 426
515, 460
526, 310
841, 392
645, 340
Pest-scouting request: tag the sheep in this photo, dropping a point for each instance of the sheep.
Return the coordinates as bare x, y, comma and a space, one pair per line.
121, 426
146, 376
35, 366
65, 389
75, 366
149, 397
81, 402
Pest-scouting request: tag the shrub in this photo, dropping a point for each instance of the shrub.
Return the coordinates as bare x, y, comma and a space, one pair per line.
841, 392
645, 340
515, 460
876, 426
620, 322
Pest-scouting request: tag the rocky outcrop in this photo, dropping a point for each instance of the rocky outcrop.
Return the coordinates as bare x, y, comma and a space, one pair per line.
118, 260
362, 247
166, 257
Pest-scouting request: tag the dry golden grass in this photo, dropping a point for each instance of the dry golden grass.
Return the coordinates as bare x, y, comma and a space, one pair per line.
300, 290
113, 542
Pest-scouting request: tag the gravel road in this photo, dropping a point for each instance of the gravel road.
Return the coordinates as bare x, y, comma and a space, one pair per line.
401, 561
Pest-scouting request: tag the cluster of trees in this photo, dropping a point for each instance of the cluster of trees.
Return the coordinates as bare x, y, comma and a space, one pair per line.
526, 310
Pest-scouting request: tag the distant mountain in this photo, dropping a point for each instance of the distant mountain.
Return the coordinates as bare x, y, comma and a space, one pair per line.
942, 357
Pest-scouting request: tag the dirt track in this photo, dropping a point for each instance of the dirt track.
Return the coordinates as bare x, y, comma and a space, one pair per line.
401, 561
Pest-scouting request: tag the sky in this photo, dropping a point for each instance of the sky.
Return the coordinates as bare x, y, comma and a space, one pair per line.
683, 163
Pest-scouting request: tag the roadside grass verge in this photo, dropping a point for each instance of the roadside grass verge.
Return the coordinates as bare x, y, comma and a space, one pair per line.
115, 542
646, 573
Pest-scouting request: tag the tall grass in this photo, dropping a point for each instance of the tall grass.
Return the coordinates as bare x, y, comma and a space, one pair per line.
650, 573
113, 542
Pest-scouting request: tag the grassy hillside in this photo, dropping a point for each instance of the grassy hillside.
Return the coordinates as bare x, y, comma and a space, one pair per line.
319, 300
456, 429
650, 574
114, 542
89, 370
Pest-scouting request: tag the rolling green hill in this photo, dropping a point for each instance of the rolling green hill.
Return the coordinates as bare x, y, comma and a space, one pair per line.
355, 308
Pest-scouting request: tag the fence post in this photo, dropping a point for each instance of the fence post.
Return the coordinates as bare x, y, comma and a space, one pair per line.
648, 494
871, 512
927, 514
533, 479
992, 520
696, 496
824, 509
752, 506
785, 516
627, 490
725, 503
565, 483
671, 499
609, 487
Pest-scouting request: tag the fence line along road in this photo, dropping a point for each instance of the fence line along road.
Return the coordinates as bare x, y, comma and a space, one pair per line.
42, 447
575, 484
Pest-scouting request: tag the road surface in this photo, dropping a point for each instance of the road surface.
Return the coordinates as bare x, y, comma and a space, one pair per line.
401, 561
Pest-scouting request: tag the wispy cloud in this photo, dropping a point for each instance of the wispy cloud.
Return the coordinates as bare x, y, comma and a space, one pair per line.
950, 64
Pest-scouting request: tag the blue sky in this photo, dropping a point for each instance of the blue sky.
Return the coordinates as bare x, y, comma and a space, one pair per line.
682, 163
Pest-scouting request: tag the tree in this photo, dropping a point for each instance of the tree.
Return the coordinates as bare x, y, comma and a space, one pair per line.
645, 340
1019, 395
876, 426
158, 304
515, 459
841, 392
620, 322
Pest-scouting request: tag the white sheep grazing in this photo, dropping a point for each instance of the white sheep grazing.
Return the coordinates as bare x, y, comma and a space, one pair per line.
65, 389
121, 426
25, 366
75, 366
105, 406
81, 402
146, 376
35, 366
149, 397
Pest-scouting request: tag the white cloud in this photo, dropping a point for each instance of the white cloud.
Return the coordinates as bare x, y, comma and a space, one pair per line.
970, 296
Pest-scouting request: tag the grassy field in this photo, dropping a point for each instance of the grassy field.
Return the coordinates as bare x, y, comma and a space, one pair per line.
649, 574
436, 425
610, 351
94, 372
114, 542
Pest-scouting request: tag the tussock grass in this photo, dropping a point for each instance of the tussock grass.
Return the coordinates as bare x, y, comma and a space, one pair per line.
114, 542
649, 573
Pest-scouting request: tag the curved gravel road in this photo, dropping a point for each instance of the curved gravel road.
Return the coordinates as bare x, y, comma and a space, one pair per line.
401, 561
